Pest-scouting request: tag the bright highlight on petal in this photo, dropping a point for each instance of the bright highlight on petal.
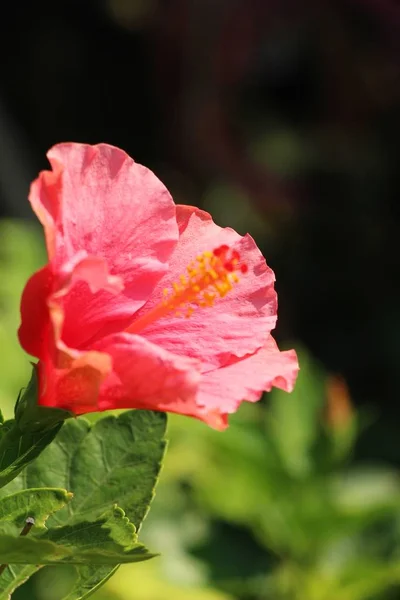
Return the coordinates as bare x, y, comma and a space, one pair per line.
212, 274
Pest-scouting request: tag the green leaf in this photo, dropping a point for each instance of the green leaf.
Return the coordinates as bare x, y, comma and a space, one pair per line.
23, 549
13, 577
89, 579
110, 539
18, 448
38, 504
115, 461
113, 526
19, 550
14, 509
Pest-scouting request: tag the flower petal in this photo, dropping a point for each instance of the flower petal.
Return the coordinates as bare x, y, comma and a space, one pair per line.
98, 200
88, 277
237, 324
147, 376
71, 380
122, 371
222, 390
46, 296
35, 318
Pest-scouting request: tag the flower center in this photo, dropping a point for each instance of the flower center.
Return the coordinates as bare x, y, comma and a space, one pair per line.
212, 274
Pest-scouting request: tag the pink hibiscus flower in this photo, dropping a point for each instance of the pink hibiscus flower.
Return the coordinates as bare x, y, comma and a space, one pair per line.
144, 304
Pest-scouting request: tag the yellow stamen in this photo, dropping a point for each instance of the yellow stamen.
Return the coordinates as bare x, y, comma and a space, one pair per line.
211, 275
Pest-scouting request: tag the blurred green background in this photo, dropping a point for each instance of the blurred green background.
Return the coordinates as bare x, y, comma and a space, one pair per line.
282, 119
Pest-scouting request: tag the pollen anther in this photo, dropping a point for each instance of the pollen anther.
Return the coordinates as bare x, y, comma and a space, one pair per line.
212, 274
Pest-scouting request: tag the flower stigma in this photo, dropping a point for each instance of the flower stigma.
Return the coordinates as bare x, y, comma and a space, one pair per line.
209, 276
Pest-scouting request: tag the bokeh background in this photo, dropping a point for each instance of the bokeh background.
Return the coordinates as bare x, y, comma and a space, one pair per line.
282, 118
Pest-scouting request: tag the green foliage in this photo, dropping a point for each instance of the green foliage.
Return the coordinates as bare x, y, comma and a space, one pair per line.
18, 448
14, 510
95, 463
100, 542
37, 504
89, 578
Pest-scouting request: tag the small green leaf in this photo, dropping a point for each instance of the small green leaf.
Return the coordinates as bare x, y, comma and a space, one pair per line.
112, 527
14, 509
108, 540
89, 579
23, 549
18, 448
38, 504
